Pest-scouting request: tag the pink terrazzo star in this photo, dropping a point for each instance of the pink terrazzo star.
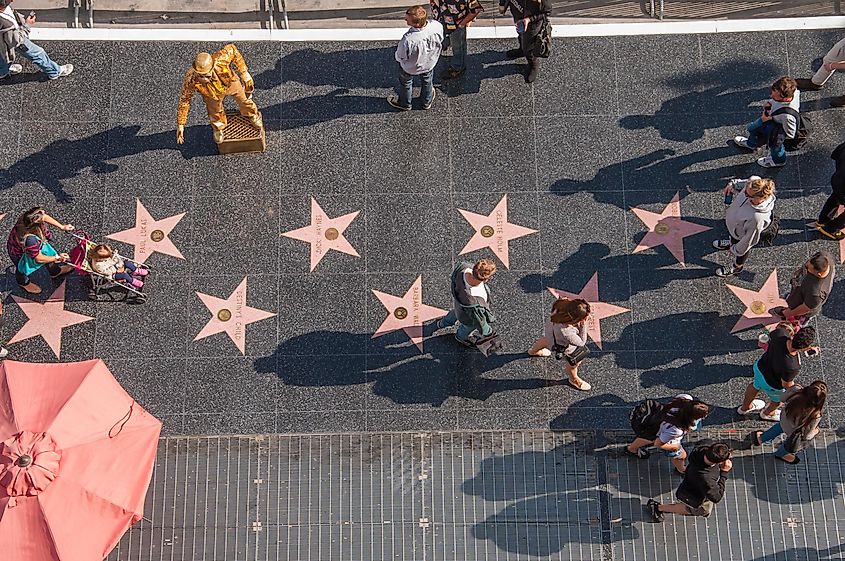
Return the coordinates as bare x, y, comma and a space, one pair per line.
149, 235
667, 228
758, 303
407, 313
598, 309
47, 319
493, 231
231, 316
324, 233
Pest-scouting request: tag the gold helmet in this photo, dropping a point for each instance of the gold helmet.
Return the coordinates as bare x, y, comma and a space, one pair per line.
203, 63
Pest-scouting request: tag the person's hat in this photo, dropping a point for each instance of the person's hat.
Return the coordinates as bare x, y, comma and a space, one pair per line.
203, 63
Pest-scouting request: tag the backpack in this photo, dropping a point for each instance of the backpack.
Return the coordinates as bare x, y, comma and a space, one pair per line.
803, 132
646, 418
768, 235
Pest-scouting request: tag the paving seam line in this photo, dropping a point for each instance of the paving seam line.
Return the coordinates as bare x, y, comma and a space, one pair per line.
651, 27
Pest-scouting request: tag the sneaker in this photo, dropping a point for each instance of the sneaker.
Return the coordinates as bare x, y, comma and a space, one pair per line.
13, 69
4, 352
774, 417
837, 235
64, 70
433, 95
778, 311
141, 272
137, 283
257, 121
451, 73
756, 405
654, 511
838, 101
806, 85
218, 136
768, 162
728, 271
742, 142
464, 342
393, 100
722, 245
513, 54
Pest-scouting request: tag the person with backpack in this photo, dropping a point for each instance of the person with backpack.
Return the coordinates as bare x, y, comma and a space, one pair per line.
831, 222
665, 427
810, 288
471, 295
779, 127
749, 219
531, 18
802, 412
703, 485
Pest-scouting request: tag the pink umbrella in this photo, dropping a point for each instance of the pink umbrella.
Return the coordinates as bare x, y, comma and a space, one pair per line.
76, 459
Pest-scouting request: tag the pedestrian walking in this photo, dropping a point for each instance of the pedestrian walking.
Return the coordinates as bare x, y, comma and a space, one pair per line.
775, 371
750, 213
802, 412
831, 221
831, 62
565, 335
30, 249
455, 16
810, 287
417, 54
531, 18
472, 304
14, 40
779, 121
703, 485
678, 417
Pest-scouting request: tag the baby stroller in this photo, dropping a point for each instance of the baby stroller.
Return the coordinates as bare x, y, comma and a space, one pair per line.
103, 288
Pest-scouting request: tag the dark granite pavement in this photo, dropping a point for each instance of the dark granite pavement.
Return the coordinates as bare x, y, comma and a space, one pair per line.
613, 123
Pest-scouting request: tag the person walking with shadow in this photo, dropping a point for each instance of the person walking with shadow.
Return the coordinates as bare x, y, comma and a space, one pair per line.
802, 412
752, 202
14, 39
417, 54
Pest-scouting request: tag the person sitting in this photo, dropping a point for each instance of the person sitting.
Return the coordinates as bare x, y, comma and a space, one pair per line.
29, 248
106, 261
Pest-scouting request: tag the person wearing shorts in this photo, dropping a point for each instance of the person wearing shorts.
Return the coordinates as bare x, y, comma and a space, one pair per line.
703, 485
776, 370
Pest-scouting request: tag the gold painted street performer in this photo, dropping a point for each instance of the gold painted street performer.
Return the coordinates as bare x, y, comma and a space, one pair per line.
212, 76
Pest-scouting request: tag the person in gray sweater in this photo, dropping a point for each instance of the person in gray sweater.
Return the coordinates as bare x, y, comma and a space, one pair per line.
778, 122
748, 215
417, 54
802, 412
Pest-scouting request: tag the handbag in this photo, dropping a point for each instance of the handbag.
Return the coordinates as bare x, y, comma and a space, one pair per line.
576, 356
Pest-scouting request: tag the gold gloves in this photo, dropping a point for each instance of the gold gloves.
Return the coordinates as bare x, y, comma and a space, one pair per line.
180, 134
249, 84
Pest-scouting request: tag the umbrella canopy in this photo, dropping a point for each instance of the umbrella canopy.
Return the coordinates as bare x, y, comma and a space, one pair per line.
76, 457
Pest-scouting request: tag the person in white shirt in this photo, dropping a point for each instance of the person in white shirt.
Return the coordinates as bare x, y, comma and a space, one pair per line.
417, 54
14, 39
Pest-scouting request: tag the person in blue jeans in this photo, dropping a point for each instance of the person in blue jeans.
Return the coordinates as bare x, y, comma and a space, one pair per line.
455, 16
14, 40
417, 54
776, 124
802, 412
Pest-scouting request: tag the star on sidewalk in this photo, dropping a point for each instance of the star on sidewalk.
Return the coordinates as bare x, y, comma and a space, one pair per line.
493, 231
598, 310
667, 228
407, 313
324, 233
758, 303
231, 316
47, 319
149, 235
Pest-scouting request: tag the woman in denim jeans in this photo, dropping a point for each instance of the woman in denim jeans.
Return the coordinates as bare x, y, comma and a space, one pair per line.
802, 413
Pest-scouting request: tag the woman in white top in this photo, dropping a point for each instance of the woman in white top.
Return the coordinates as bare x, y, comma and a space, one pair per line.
565, 331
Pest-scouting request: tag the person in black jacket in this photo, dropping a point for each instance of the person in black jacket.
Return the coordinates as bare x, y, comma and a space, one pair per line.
703, 485
831, 221
528, 16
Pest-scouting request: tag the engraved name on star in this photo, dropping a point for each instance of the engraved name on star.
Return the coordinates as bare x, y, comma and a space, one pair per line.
324, 233
407, 313
47, 319
493, 231
666, 228
598, 310
758, 303
149, 235
230, 316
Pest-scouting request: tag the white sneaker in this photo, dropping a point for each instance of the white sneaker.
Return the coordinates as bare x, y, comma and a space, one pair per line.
756, 405
768, 162
13, 69
4, 352
64, 70
775, 417
742, 141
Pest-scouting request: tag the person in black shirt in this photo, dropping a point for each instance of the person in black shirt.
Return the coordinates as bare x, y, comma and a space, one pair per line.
528, 16
703, 485
776, 370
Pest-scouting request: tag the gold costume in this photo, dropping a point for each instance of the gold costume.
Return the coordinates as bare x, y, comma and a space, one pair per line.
223, 82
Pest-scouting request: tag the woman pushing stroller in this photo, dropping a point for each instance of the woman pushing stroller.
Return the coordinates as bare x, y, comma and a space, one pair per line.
30, 249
